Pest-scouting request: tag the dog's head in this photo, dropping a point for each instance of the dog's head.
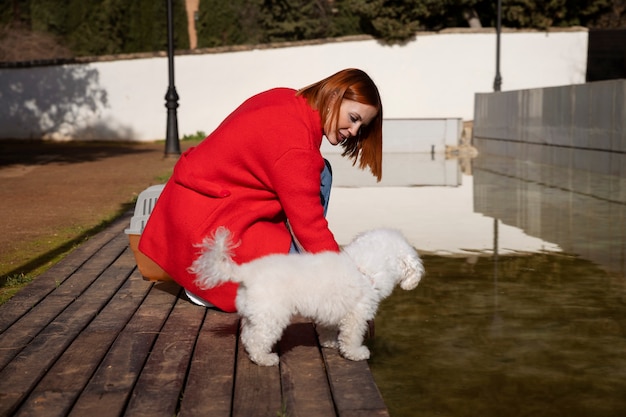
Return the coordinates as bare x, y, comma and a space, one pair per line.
387, 257
412, 271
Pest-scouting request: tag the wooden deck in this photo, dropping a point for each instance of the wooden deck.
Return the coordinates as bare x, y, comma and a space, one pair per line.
91, 338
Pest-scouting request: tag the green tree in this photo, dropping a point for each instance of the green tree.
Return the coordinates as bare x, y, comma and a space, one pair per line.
292, 20
261, 21
532, 13
48, 16
389, 20
552, 13
229, 23
344, 21
15, 12
147, 26
397, 20
614, 17
98, 27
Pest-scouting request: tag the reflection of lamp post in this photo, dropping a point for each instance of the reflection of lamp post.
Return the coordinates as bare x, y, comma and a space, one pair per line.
497, 82
496, 323
172, 145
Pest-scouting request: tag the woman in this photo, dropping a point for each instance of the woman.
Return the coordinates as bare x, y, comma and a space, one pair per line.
260, 174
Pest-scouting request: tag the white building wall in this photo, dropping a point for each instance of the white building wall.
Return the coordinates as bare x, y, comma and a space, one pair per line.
434, 76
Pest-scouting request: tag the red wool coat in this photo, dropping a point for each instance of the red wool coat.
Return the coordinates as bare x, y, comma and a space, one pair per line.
260, 167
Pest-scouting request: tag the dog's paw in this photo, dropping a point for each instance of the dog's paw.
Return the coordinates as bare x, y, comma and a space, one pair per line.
265, 359
357, 354
330, 343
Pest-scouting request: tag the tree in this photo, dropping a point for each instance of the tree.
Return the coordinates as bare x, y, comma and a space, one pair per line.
390, 20
229, 23
14, 12
614, 15
344, 21
292, 20
553, 13
147, 26
262, 21
99, 27
397, 21
117, 26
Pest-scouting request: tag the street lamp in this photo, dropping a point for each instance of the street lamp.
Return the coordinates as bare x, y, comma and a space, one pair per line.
172, 144
497, 82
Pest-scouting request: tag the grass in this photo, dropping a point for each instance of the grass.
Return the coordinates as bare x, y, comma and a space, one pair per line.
14, 283
58, 243
52, 248
198, 136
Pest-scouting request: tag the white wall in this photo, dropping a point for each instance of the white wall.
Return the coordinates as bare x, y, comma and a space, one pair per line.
436, 75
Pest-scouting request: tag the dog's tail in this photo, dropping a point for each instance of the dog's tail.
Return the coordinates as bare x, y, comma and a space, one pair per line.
214, 266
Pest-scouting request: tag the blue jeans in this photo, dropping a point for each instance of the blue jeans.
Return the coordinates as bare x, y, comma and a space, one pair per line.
326, 182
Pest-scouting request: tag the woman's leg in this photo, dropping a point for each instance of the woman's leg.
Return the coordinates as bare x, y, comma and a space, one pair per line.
326, 183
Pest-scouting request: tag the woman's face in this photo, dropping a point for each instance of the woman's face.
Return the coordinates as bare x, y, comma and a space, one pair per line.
352, 116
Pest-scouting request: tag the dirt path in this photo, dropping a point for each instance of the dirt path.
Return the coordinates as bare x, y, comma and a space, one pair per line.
54, 193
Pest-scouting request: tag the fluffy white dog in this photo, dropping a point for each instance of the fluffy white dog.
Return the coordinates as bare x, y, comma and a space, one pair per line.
337, 290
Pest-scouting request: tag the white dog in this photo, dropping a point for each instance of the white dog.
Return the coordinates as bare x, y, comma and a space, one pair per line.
337, 290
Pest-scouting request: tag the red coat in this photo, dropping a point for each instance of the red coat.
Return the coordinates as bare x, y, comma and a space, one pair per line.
260, 167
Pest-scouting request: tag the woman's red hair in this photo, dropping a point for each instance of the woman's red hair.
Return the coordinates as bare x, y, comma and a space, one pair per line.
351, 84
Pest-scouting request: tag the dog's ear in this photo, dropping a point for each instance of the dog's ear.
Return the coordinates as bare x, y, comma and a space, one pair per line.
412, 271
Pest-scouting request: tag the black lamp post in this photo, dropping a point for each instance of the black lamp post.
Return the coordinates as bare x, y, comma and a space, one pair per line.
172, 144
497, 82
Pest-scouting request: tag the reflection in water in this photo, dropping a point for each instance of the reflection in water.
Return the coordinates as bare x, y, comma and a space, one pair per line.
436, 219
583, 212
546, 339
526, 317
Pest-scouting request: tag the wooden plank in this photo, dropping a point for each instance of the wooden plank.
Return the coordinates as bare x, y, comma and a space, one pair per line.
169, 359
59, 388
304, 381
257, 388
354, 391
209, 388
20, 376
27, 298
365, 413
161, 382
108, 391
22, 332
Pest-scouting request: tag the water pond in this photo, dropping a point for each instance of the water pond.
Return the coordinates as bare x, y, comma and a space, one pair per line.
523, 308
